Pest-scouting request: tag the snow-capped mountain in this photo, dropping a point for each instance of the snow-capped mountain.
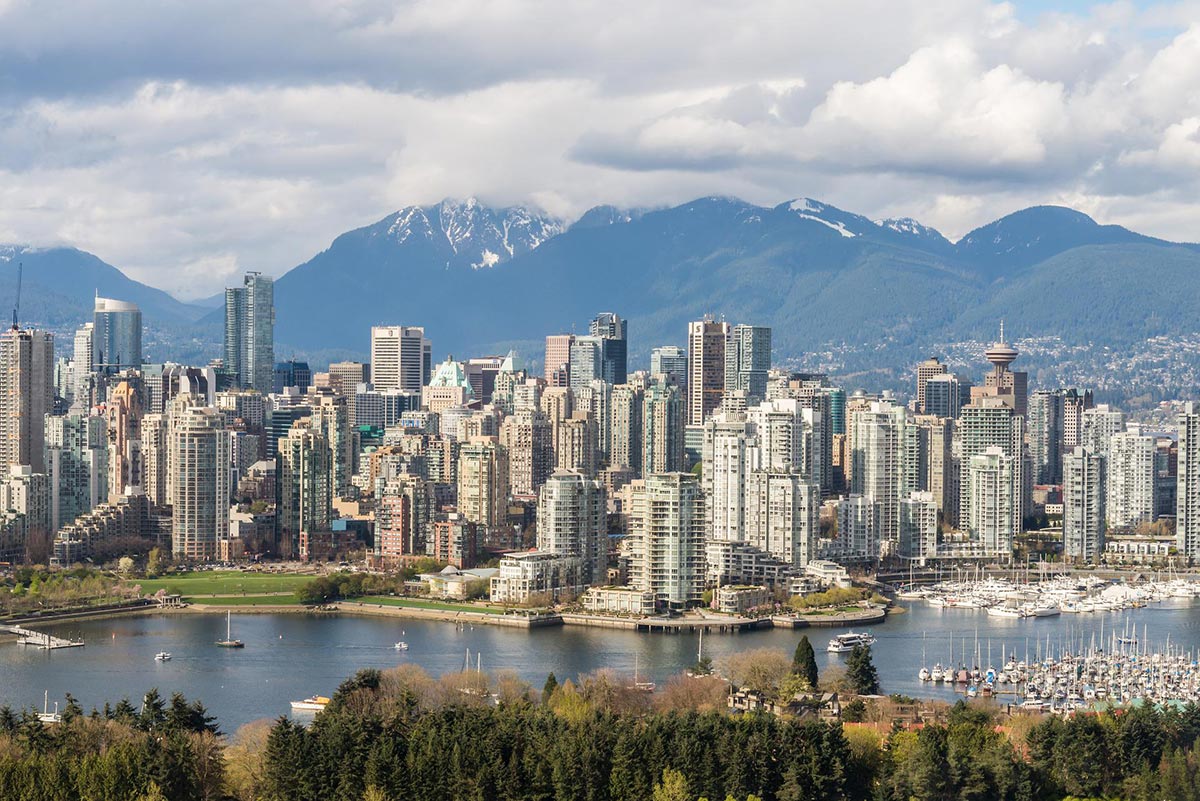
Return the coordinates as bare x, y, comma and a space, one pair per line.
845, 223
469, 232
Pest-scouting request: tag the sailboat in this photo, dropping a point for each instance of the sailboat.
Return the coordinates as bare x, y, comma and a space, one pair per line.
229, 641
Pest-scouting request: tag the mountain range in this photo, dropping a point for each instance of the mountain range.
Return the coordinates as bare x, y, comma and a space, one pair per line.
484, 279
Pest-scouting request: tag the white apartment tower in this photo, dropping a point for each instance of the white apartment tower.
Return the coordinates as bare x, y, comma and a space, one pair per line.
1083, 505
1131, 481
572, 521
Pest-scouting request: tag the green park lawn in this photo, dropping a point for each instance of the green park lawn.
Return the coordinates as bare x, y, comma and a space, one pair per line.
247, 600
413, 603
224, 582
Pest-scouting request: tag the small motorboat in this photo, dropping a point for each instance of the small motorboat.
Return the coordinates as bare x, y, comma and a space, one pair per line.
162, 656
401, 646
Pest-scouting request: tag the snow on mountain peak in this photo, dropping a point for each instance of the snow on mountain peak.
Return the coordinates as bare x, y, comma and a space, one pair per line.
809, 209
474, 234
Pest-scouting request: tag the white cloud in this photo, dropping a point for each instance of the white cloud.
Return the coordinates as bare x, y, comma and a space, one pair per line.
186, 142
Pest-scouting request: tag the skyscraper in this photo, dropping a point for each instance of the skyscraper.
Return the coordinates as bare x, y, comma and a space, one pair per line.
666, 522
401, 358
1046, 435
707, 342
670, 360
586, 362
1098, 425
123, 414
992, 501
572, 521
662, 429
250, 332
529, 439
625, 427
1187, 493
877, 460
77, 466
1131, 481
989, 422
293, 373
26, 396
944, 395
557, 368
1083, 505
199, 483
116, 335
918, 526
303, 481
747, 361
614, 335
925, 371
483, 481
782, 515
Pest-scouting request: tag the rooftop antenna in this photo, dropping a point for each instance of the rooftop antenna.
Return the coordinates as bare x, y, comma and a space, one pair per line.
17, 302
1002, 330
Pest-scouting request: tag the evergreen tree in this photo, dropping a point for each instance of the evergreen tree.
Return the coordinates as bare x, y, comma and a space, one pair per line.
804, 663
860, 671
549, 687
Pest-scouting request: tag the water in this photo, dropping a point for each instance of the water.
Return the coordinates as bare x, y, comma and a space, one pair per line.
288, 657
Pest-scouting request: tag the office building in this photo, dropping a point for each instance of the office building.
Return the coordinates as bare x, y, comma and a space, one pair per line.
926, 370
199, 483
586, 362
292, 373
250, 332
613, 333
116, 336
1083, 505
666, 522
572, 521
401, 358
557, 367
707, 341
747, 361
670, 361
1130, 481
482, 372
26, 396
945, 394
447, 388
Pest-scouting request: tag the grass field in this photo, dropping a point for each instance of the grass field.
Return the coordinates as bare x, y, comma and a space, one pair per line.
247, 600
412, 603
223, 582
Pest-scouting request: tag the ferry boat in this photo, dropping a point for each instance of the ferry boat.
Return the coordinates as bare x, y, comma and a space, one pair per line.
844, 643
162, 656
314, 704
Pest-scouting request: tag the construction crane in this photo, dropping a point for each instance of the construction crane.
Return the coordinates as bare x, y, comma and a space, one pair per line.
17, 302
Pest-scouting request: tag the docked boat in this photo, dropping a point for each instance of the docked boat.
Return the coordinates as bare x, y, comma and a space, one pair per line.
1004, 610
844, 643
229, 641
162, 656
314, 704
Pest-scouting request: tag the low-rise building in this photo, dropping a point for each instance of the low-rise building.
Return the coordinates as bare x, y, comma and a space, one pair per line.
537, 573
831, 574
619, 601
452, 582
737, 599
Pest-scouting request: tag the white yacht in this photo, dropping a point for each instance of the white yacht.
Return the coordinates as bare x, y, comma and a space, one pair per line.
314, 704
162, 656
401, 646
844, 643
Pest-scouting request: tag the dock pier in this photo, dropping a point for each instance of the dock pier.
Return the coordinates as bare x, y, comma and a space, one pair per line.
40, 639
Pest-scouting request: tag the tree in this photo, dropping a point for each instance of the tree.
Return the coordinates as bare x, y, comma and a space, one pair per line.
125, 564
154, 562
549, 687
673, 787
760, 670
860, 671
804, 663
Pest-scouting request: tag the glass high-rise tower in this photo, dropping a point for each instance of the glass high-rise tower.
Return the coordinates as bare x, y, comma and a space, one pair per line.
116, 335
250, 332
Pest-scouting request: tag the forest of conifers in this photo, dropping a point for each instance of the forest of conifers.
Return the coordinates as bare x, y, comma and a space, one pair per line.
401, 735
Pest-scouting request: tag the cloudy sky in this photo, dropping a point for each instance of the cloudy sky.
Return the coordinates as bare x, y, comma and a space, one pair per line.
185, 142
